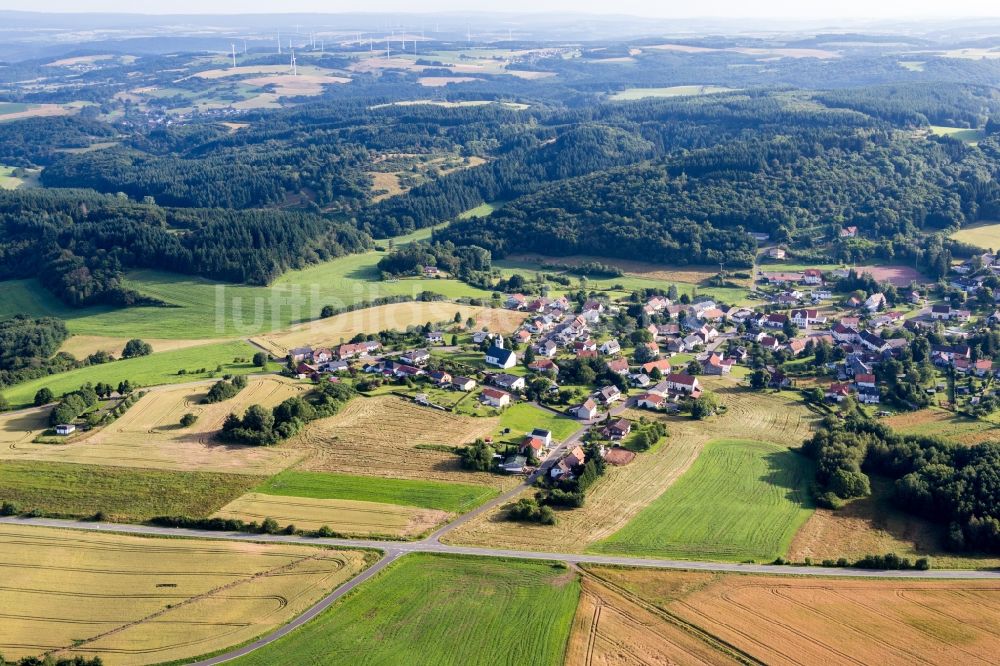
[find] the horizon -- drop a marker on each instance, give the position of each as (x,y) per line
(780,11)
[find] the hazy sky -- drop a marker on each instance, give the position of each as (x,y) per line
(788,9)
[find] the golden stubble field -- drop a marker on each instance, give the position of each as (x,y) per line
(341,328)
(139,600)
(82,346)
(364,519)
(149,433)
(790,620)
(378,437)
(624,491)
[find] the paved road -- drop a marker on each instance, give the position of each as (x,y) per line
(397,548)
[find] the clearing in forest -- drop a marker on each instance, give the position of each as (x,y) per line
(138,600)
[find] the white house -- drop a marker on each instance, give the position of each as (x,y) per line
(682,383)
(499,357)
(495,398)
(875,302)
(587,410)
(65,429)
(610,347)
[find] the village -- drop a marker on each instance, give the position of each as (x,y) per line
(842,339)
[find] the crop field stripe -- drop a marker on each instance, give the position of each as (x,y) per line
(453,497)
(449,610)
(740,500)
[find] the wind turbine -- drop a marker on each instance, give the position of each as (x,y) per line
(244,47)
(469,35)
(234,55)
(279,42)
(295,69)
(387,50)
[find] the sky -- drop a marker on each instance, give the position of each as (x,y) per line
(784,9)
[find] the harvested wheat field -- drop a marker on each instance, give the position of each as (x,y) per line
(149,434)
(138,600)
(82,346)
(787,620)
(624,491)
(936,422)
(395,316)
(611,629)
(348,517)
(379,437)
(19,428)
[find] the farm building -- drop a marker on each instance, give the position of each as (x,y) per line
(65,429)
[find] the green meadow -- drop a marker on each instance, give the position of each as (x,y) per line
(442,610)
(160,368)
(452,497)
(741,500)
(122,493)
(523,417)
(200,308)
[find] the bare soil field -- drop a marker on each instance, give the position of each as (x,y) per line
(899,276)
(378,437)
(335,330)
(873,525)
(135,600)
(149,434)
(788,620)
(610,629)
(348,517)
(82,346)
(624,491)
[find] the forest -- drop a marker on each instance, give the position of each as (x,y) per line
(674,180)
(79,242)
(950,484)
